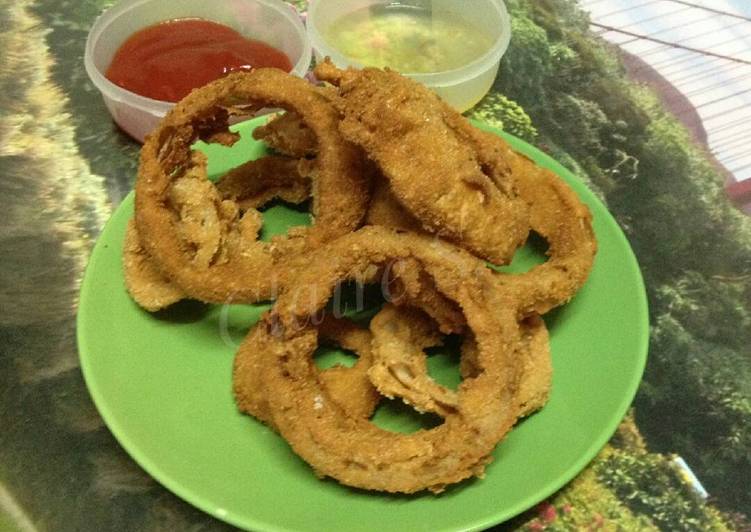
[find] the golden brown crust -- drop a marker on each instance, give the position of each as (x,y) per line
(349,387)
(559,216)
(384,209)
(425,150)
(146,284)
(399,368)
(537,365)
(434,177)
(250,185)
(352,449)
(220,261)
(254,183)
(288,134)
(432,170)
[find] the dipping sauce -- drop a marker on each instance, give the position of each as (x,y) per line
(407,39)
(166,61)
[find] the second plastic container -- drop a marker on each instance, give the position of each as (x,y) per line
(461,87)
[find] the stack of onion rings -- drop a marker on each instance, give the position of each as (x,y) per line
(433,176)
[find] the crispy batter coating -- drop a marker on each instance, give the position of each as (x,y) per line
(555,212)
(352,449)
(409,285)
(537,371)
(146,284)
(445,198)
(537,366)
(350,387)
(454,190)
(400,366)
(559,216)
(385,209)
(198,239)
(288,134)
(251,185)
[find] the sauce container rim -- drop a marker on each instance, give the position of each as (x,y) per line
(120,95)
(439,78)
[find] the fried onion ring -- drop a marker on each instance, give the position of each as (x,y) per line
(384,113)
(204,244)
(251,185)
(559,216)
(556,214)
(352,449)
(460,193)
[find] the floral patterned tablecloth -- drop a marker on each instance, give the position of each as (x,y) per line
(681,459)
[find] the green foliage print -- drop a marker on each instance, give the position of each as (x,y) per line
(652,486)
(693,245)
(499,111)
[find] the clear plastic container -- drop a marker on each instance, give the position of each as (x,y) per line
(461,87)
(272,21)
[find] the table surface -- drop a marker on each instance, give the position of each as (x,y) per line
(681,459)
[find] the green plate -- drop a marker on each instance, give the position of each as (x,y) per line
(162,383)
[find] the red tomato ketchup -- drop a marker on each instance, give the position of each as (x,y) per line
(166,61)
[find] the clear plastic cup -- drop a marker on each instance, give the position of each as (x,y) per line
(272,21)
(461,87)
